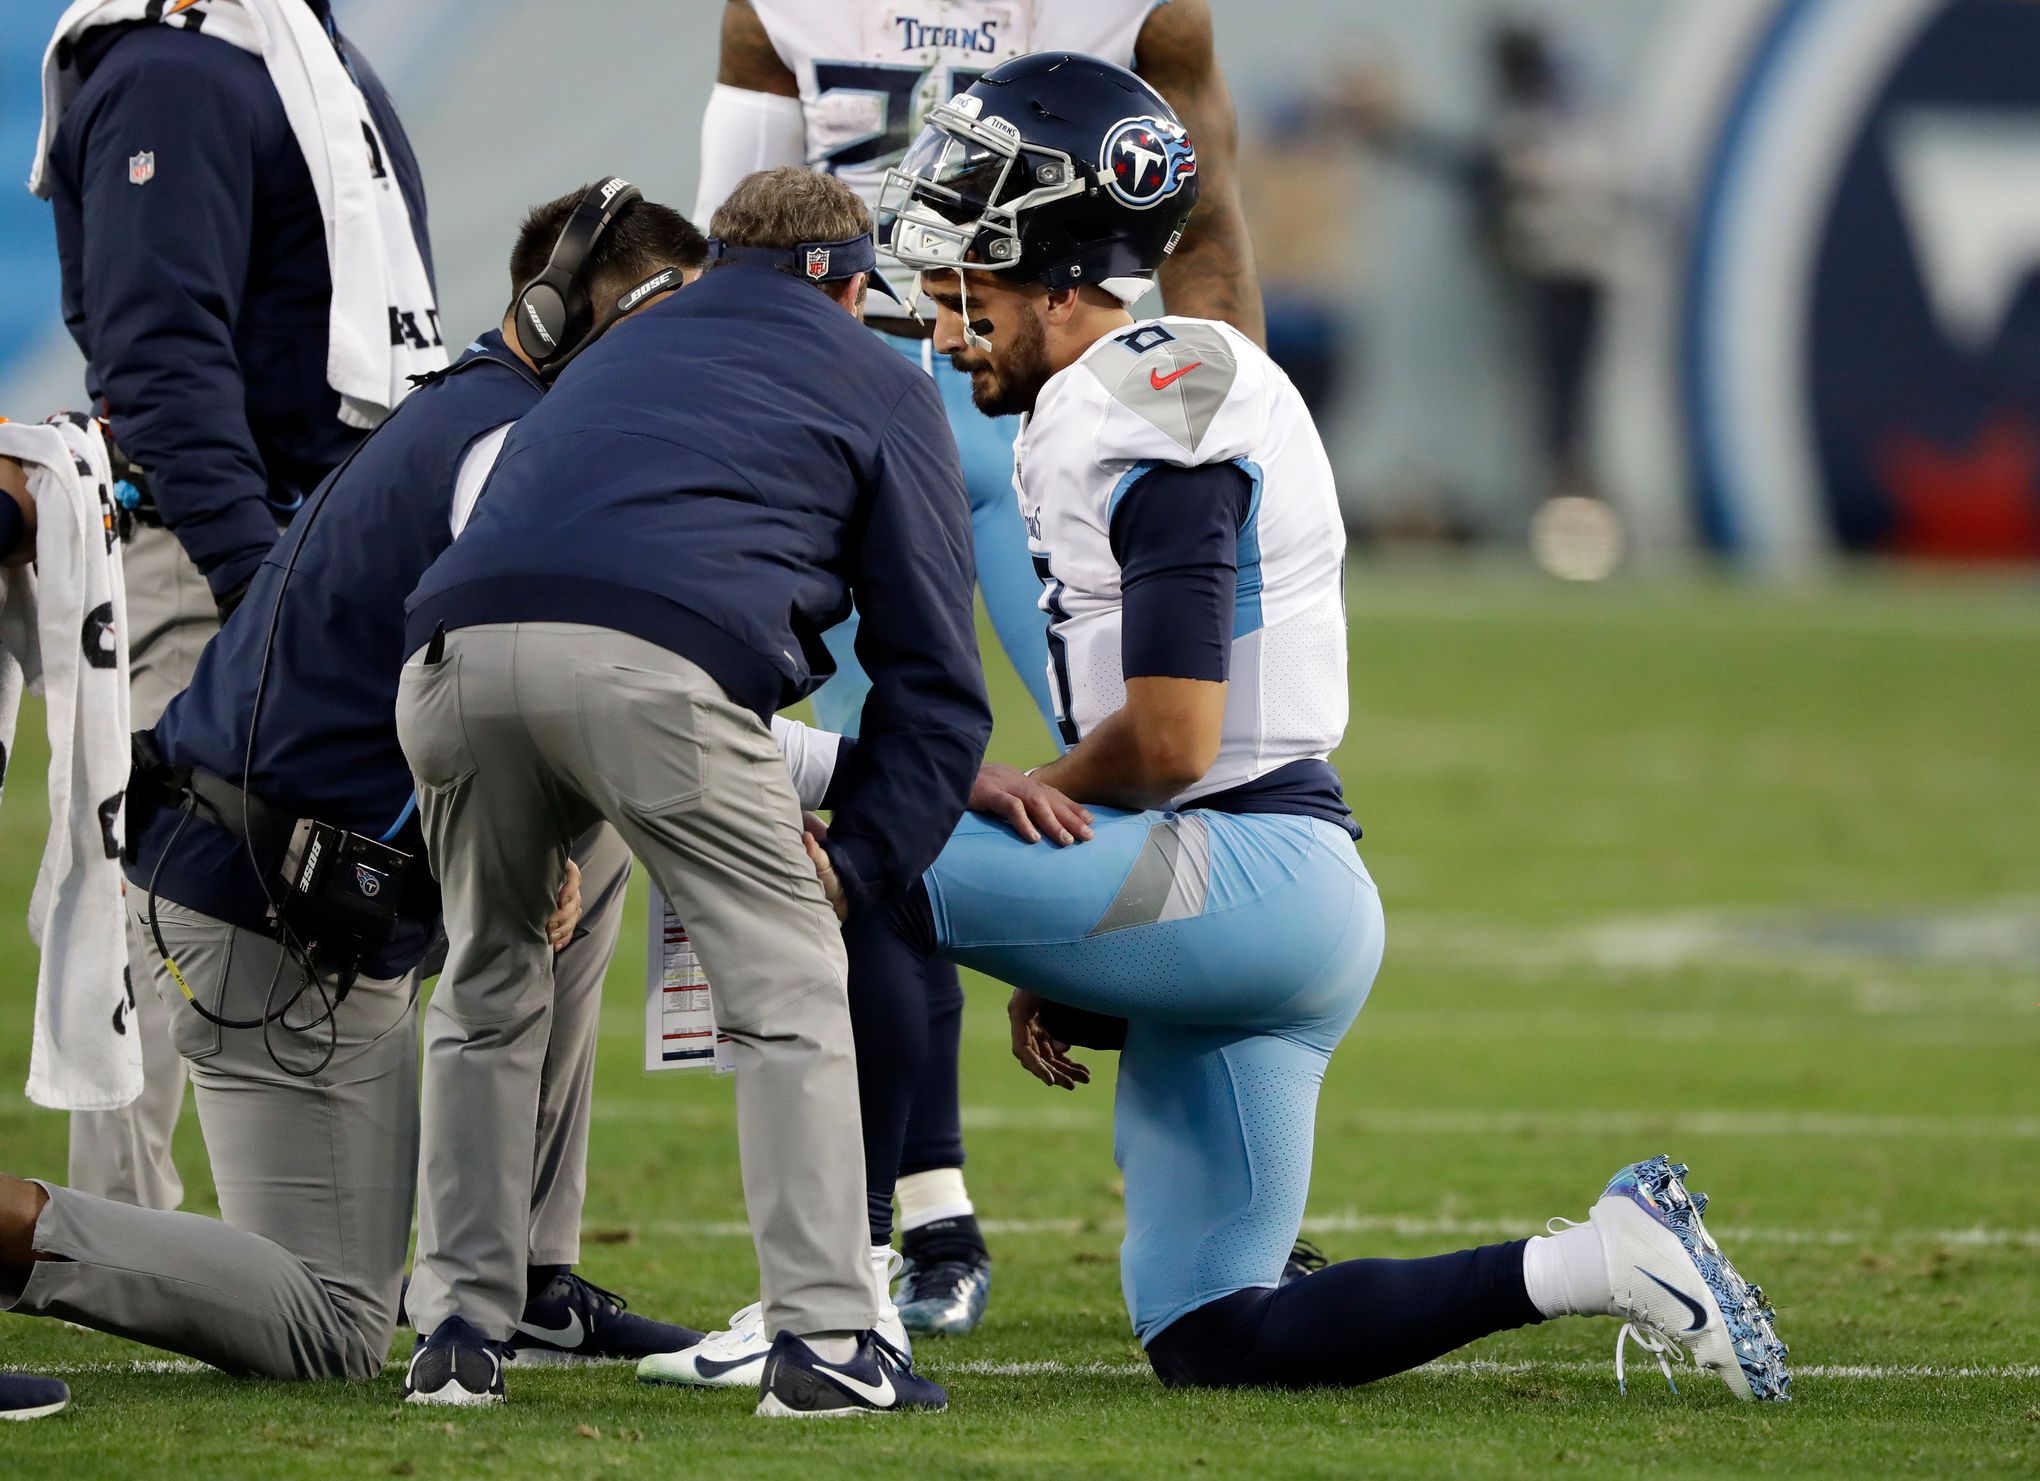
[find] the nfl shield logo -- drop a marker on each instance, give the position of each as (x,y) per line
(142,167)
(817,260)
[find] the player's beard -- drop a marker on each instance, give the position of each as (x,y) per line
(1005,380)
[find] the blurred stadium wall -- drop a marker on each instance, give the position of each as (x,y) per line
(1818,329)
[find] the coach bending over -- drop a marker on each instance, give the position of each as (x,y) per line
(646,579)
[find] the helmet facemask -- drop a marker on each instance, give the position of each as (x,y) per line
(956,199)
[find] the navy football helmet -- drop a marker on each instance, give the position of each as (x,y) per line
(1054,167)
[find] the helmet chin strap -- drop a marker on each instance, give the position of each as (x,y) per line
(976,332)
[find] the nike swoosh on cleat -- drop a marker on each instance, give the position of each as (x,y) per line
(1699,1311)
(717,1367)
(1162,382)
(571,1335)
(878,1394)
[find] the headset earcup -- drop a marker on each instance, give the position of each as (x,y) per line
(541,322)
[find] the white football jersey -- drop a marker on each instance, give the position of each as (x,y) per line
(869,70)
(1191,392)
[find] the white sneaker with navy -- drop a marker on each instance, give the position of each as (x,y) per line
(875,1379)
(1645,1255)
(734,1357)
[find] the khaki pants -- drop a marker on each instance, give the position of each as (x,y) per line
(299,1277)
(521,737)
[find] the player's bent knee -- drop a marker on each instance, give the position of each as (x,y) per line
(1214,1346)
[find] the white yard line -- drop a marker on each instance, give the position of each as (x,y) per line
(1845,1125)
(1052,1368)
(1453,1367)
(1412,1227)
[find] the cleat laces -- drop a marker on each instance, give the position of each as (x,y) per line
(1654,1340)
(1636,1328)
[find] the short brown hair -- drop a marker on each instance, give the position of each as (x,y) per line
(642,238)
(788,206)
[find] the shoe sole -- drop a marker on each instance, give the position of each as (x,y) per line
(1658,1186)
(771,1407)
(939,1327)
(41,1411)
(455,1397)
(749,1375)
(930,1319)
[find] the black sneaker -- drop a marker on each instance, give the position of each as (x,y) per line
(457,1365)
(946,1280)
(878,1379)
(574,1320)
(1304,1259)
(23,1397)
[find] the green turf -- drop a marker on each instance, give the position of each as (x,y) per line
(1748,876)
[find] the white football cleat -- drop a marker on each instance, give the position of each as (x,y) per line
(1675,1290)
(735,1357)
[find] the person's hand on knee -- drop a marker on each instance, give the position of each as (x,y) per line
(825,871)
(1032,809)
(559,926)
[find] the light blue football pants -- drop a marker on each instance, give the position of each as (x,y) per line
(1005,571)
(1239,948)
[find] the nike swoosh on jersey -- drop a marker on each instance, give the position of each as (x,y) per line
(880,1393)
(1162,382)
(568,1336)
(1699,1312)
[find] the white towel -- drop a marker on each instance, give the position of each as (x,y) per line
(381,291)
(63,631)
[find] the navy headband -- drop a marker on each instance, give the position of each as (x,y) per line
(824,262)
(819,262)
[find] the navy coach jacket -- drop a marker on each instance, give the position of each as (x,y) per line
(716,476)
(200,298)
(326,743)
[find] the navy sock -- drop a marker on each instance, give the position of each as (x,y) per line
(889,1022)
(538,1277)
(935,1122)
(1350,1323)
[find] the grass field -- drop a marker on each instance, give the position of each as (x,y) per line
(1747,876)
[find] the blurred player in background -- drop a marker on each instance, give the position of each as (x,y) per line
(843,86)
(1207,914)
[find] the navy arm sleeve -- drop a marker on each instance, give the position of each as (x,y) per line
(12,525)
(164,266)
(1176,535)
(926,721)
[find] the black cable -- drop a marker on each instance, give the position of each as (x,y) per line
(186,813)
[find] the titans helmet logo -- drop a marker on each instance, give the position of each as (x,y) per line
(1144,161)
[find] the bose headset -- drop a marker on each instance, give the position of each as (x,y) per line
(554,315)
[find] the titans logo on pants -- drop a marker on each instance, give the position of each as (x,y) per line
(1145,161)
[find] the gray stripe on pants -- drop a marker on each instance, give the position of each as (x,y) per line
(1169,880)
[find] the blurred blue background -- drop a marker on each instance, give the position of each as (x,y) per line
(1715,265)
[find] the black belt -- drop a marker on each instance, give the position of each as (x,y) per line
(156,784)
(270,832)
